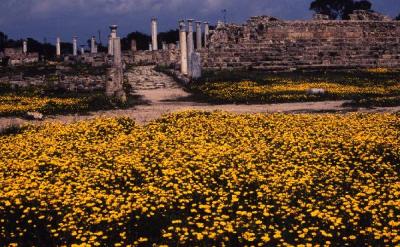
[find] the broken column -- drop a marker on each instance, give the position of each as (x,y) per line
(154,40)
(117,52)
(58,47)
(114,85)
(195,61)
(198,35)
(82,50)
(190,44)
(183,47)
(74,46)
(206,33)
(113,35)
(164,46)
(150,47)
(93,45)
(133,45)
(25,46)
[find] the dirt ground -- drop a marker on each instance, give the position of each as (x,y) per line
(162,95)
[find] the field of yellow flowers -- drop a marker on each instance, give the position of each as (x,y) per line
(198,178)
(14,105)
(374,87)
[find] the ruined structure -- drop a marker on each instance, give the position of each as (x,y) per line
(367,40)
(19,56)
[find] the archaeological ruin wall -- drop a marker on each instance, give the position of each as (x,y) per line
(271,44)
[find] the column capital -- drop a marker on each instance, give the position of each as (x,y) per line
(182,26)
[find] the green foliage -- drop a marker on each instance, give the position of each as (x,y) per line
(339,8)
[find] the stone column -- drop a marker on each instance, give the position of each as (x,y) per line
(198,35)
(113,34)
(114,83)
(154,40)
(164,46)
(206,33)
(183,47)
(110,45)
(58,47)
(150,47)
(133,45)
(93,45)
(25,46)
(117,52)
(82,50)
(190,45)
(74,46)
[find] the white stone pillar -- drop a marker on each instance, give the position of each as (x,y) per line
(154,39)
(82,50)
(25,46)
(110,45)
(58,47)
(150,47)
(190,45)
(164,46)
(117,52)
(206,33)
(183,47)
(198,35)
(93,45)
(113,35)
(74,46)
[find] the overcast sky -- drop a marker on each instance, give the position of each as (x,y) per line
(66,18)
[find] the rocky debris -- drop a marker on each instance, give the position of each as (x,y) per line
(365,15)
(320,17)
(34,116)
(146,78)
(316,91)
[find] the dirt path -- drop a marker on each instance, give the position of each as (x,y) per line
(163,95)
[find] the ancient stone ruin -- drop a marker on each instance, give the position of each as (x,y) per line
(367,40)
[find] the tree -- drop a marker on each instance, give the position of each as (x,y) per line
(398,17)
(142,41)
(339,8)
(3,40)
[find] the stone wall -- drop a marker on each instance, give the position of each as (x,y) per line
(78,83)
(169,57)
(16,56)
(271,44)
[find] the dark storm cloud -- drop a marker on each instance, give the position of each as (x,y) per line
(65,18)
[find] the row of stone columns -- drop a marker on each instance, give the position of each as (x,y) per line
(189,59)
(93,45)
(200,42)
